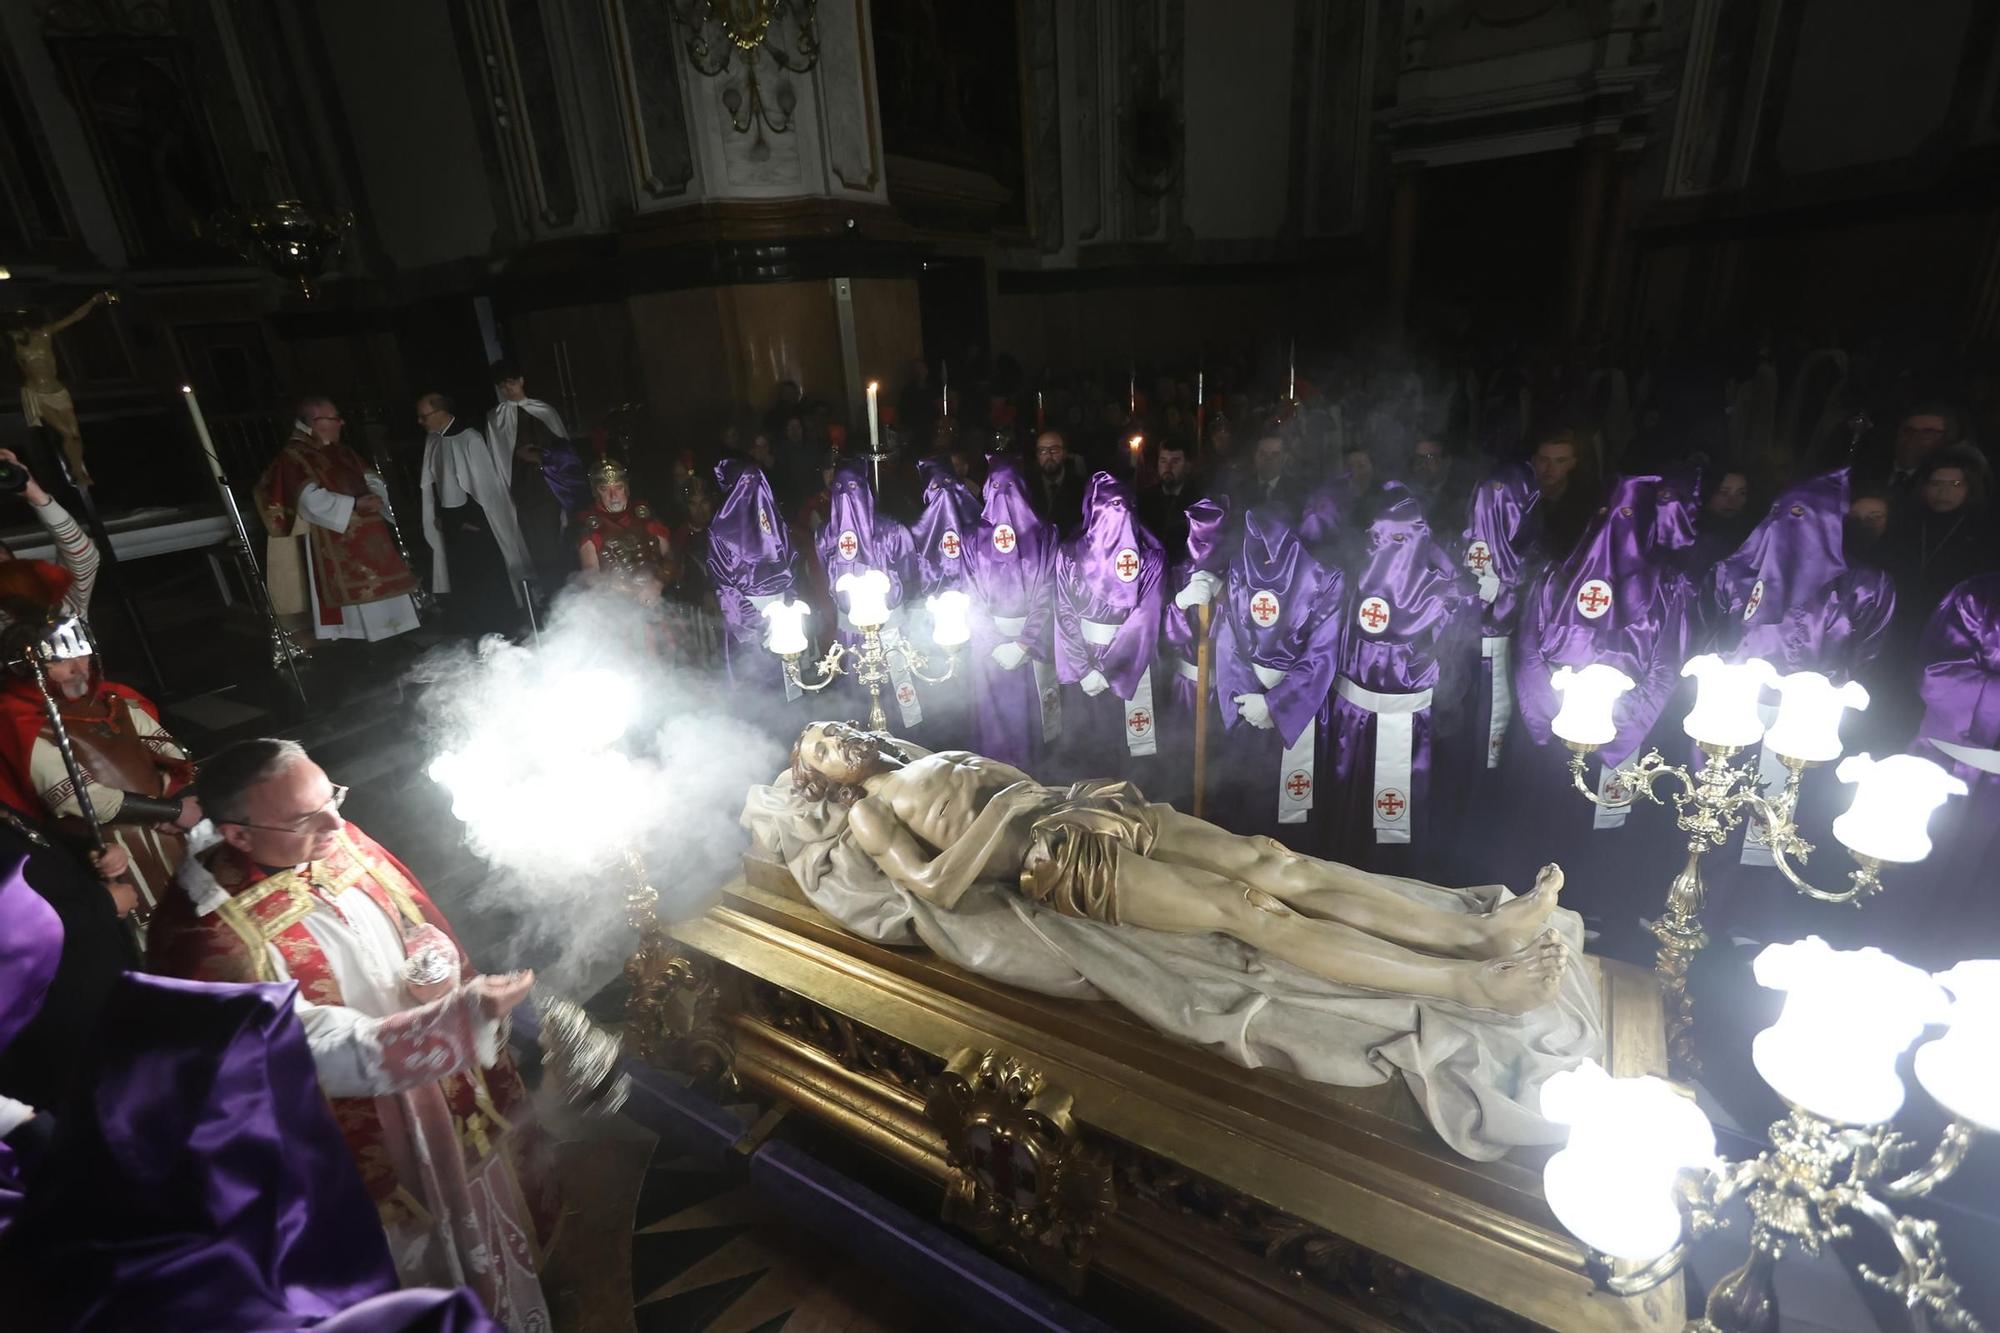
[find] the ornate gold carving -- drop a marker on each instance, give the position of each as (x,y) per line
(1022,1181)
(673,1013)
(855,1046)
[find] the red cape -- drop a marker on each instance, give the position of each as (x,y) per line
(22,717)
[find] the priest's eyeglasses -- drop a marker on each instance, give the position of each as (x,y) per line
(303,822)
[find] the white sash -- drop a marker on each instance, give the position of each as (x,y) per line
(1609,816)
(1100,633)
(1500,653)
(792,691)
(900,677)
(1295,766)
(1011,627)
(1395,748)
(1771,771)
(1986,761)
(1183,668)
(1142,723)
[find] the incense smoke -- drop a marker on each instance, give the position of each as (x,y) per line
(563,756)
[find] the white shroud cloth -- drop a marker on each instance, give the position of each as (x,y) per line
(357,1055)
(1477,1074)
(371,621)
(459,465)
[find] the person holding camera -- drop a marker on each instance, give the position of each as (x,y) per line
(74,549)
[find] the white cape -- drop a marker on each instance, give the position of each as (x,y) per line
(488,485)
(503,428)
(1477,1075)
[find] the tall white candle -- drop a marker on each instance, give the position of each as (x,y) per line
(1292,372)
(201,430)
(874,419)
(944,379)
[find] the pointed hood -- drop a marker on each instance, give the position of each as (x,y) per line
(1207,545)
(1403,565)
(949,523)
(1503,524)
(1113,550)
(748,543)
(1790,558)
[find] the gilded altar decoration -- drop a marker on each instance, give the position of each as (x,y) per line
(1022,1180)
(718,29)
(672,1014)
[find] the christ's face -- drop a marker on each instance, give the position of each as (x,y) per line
(838,751)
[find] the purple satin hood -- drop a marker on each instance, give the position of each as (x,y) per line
(1404,566)
(31,941)
(1207,547)
(1503,515)
(1109,527)
(949,523)
(1960,684)
(1282,612)
(749,549)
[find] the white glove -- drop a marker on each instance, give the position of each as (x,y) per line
(1094,684)
(1489,587)
(1252,709)
(1200,591)
(1010,655)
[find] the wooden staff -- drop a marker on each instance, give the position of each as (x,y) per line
(1204,659)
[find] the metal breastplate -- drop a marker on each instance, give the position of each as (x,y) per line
(111,749)
(627,549)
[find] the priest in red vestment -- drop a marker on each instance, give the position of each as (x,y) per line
(350,579)
(408,1039)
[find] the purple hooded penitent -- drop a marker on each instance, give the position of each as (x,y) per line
(1789,596)
(1010,570)
(1620,600)
(1278,632)
(1407,652)
(749,562)
(856,539)
(945,529)
(1110,579)
(1502,552)
(1180,627)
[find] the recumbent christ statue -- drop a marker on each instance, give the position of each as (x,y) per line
(937,823)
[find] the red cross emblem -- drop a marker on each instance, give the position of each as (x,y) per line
(1003,538)
(1373,614)
(1478,556)
(1127,565)
(1298,784)
(1594,599)
(764,520)
(1140,721)
(1756,599)
(1616,792)
(1390,803)
(1263,609)
(847,545)
(905,693)
(949,544)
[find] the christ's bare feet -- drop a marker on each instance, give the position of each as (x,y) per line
(1514,924)
(1524,980)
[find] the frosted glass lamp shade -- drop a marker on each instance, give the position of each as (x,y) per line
(867,598)
(949,618)
(1893,801)
(1629,1138)
(1849,1015)
(1809,714)
(1588,696)
(1960,1070)
(788,627)
(1725,701)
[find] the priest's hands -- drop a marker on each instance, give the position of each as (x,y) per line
(1010,655)
(1200,591)
(1253,709)
(498,995)
(1094,684)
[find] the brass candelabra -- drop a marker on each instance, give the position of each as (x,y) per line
(869,664)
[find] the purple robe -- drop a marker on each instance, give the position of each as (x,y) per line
(31,939)
(1010,569)
(1789,596)
(1619,600)
(1407,652)
(1502,549)
(1278,634)
(1205,552)
(943,530)
(1110,582)
(750,564)
(856,539)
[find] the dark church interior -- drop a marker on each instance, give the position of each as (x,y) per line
(753,665)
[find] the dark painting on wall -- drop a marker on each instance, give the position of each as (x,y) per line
(950,86)
(155,150)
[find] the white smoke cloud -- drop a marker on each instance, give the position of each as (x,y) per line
(563,755)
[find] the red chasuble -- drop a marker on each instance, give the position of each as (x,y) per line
(228,944)
(350,568)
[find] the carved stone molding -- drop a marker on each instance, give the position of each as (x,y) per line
(658,156)
(524,105)
(1022,1180)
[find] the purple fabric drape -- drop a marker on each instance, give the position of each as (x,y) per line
(562,472)
(1180,629)
(1411,623)
(1619,599)
(942,532)
(1788,594)
(1113,572)
(1503,539)
(1010,569)
(749,558)
(856,539)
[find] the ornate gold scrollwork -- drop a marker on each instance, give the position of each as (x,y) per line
(673,1011)
(1022,1181)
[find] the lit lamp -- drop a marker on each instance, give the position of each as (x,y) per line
(868,611)
(1887,823)
(1893,802)
(1724,716)
(1588,697)
(1832,1055)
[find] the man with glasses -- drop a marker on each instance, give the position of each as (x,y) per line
(334,560)
(407,1037)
